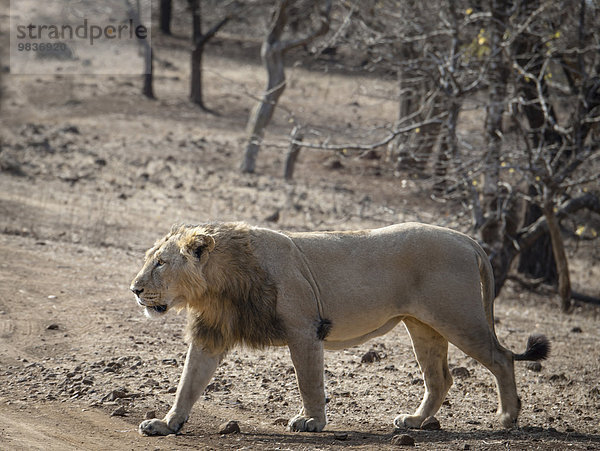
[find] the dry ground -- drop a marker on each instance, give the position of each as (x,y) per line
(92,174)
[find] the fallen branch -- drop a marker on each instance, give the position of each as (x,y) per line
(534,285)
(372,146)
(585,298)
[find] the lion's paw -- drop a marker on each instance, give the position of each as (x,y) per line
(306,424)
(156,427)
(408,422)
(509,421)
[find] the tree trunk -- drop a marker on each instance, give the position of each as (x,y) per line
(448,150)
(558,248)
(147,89)
(292,156)
(196,56)
(493,230)
(411,88)
(537,261)
(165,16)
(198,42)
(271,53)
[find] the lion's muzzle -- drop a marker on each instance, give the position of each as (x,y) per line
(157,308)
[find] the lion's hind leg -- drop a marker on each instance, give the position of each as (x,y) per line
(431,351)
(501,364)
(480,342)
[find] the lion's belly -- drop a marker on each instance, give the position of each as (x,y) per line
(358,330)
(345,342)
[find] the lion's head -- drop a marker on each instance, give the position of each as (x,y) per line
(172,272)
(212,271)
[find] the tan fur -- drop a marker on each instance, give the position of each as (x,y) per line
(311,291)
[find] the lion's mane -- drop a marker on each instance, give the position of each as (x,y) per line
(238,303)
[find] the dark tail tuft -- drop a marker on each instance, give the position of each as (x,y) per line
(538,348)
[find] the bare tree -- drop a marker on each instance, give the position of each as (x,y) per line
(145,48)
(273,49)
(199,40)
(166,7)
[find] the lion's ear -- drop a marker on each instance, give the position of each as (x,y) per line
(196,244)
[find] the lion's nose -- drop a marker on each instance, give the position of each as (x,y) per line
(137,291)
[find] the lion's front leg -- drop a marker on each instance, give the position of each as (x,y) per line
(197,372)
(307,357)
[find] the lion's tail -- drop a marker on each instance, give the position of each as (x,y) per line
(538,346)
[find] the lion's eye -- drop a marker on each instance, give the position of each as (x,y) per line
(159,263)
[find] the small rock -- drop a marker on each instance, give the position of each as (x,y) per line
(403,440)
(53,327)
(119,412)
(150,415)
(576,330)
(431,424)
(340,436)
(231,427)
(274,217)
(534,366)
(71,129)
(466,446)
(460,372)
(116,394)
(370,357)
(280,422)
(558,377)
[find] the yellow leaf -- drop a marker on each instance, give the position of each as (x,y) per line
(557,35)
(474,182)
(417,130)
(481,40)
(537,178)
(503,164)
(594,233)
(511,170)
(469,11)
(580,230)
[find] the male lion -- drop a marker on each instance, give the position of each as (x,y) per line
(314,291)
